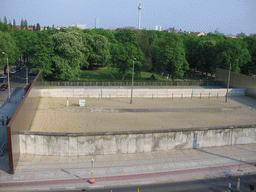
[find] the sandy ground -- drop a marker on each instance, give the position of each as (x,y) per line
(117,114)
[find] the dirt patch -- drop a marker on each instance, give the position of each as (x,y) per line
(117,114)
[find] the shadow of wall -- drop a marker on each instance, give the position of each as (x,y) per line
(22,120)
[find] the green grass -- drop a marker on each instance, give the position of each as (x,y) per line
(112,74)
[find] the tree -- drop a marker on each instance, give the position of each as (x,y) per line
(10,24)
(37,27)
(241,35)
(21,24)
(71,52)
(250,67)
(232,51)
(100,53)
(125,51)
(206,56)
(14,24)
(8,46)
(41,49)
(26,24)
(169,55)
(5,20)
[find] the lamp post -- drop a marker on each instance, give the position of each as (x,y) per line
(8,75)
(226,100)
(132,79)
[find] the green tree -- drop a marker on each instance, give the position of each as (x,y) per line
(146,41)
(14,24)
(8,46)
(41,49)
(241,35)
(71,52)
(100,53)
(232,51)
(250,67)
(169,55)
(125,51)
(37,27)
(26,24)
(21,24)
(5,20)
(10,24)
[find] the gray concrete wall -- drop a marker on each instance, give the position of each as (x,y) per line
(133,142)
(251,92)
(138,92)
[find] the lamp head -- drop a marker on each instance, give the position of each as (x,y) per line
(3,52)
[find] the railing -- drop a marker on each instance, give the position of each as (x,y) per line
(128,83)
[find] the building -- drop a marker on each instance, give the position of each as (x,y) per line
(81,26)
(197,33)
(158,28)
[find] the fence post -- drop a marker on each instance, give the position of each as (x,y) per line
(217,95)
(200,95)
(152,95)
(172,95)
(209,95)
(181,95)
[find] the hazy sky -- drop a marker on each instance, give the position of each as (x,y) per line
(229,16)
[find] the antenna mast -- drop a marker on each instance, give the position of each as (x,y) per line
(140,7)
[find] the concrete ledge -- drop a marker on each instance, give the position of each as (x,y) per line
(137,92)
(104,143)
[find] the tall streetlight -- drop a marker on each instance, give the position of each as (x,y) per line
(132,79)
(226,100)
(8,71)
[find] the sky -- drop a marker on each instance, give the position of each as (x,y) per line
(228,16)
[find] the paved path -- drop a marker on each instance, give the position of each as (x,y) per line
(55,172)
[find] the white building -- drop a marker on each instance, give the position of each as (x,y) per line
(81,26)
(158,28)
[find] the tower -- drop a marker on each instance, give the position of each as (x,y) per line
(140,7)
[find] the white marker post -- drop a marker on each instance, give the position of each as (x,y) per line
(92,181)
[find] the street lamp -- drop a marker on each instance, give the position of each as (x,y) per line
(8,75)
(132,79)
(226,100)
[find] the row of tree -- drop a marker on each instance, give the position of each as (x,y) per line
(61,54)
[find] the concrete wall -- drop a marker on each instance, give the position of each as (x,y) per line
(138,92)
(133,142)
(21,121)
(237,80)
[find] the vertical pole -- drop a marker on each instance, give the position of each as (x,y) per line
(8,75)
(26,75)
(229,187)
(228,82)
(238,184)
(132,80)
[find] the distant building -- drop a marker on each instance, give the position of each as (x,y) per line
(197,33)
(158,28)
(231,36)
(29,28)
(81,26)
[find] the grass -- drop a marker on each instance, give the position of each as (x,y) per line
(112,74)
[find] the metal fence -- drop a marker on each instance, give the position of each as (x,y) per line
(129,83)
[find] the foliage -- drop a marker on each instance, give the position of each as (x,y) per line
(42,50)
(124,52)
(100,50)
(232,51)
(70,52)
(169,55)
(250,67)
(8,46)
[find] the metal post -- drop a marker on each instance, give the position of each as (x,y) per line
(8,76)
(132,79)
(27,75)
(228,82)
(92,181)
(238,184)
